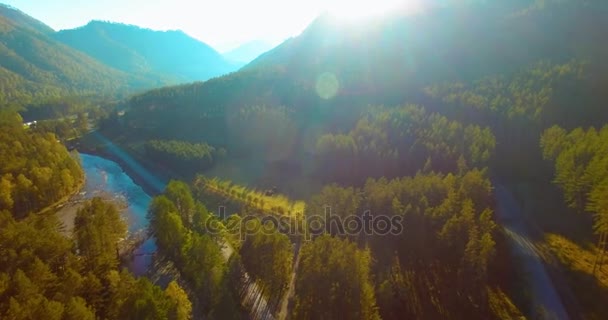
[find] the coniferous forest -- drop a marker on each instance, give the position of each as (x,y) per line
(447,164)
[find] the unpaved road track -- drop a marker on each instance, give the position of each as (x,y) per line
(542,289)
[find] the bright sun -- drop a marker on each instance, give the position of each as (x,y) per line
(359,9)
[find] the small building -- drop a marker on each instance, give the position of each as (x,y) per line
(30,124)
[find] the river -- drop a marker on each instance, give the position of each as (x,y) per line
(107,178)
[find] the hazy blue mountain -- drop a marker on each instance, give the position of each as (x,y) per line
(171,56)
(245,53)
(34,65)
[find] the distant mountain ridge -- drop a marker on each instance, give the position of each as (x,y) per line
(246,52)
(166,56)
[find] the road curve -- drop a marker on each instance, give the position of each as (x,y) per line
(543,291)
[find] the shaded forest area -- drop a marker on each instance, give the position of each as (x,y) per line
(188,158)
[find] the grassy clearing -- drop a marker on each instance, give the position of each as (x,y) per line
(577,258)
(591,290)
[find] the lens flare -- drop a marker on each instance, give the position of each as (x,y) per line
(327,85)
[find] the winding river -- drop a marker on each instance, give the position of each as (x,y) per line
(106,178)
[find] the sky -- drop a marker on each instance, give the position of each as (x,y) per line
(223,24)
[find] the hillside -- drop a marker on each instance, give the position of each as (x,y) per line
(500,69)
(406,52)
(24,20)
(383,62)
(165,56)
(33,65)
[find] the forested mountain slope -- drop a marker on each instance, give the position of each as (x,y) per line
(24,20)
(462,42)
(33,65)
(104,59)
(334,67)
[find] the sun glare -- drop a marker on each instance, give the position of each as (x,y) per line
(361,9)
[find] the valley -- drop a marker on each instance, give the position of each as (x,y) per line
(445,163)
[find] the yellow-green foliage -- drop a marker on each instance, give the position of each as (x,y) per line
(42,276)
(577,258)
(590,289)
(581,168)
(502,307)
(276,204)
(35,170)
(526,93)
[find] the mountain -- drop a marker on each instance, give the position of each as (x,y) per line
(334,66)
(165,56)
(245,53)
(35,66)
(101,58)
(396,57)
(24,20)
(386,56)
